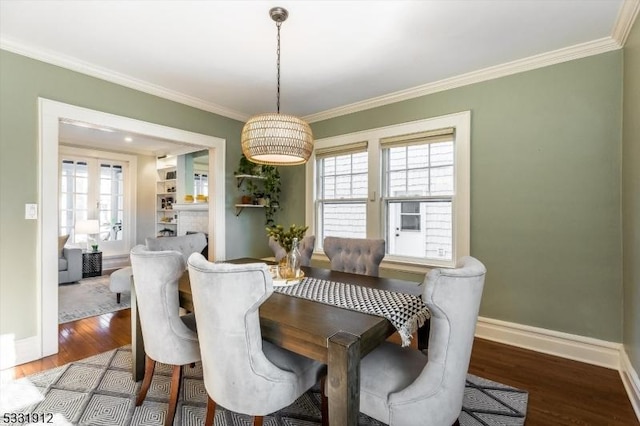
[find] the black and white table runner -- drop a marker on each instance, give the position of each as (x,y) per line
(405,311)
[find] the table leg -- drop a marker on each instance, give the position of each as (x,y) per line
(423,335)
(137,344)
(344,379)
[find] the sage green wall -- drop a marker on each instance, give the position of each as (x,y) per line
(545,189)
(631,196)
(22,81)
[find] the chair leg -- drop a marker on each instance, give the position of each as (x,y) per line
(257,420)
(173,397)
(118,297)
(149,366)
(211,412)
(324,403)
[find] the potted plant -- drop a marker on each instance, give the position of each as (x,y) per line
(285,237)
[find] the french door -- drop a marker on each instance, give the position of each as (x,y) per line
(95,188)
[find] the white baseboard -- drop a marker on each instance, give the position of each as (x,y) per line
(16,352)
(565,345)
(578,348)
(115,262)
(630,381)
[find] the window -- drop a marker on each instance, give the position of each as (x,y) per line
(418,194)
(407,184)
(409,216)
(94,188)
(200,184)
(342,194)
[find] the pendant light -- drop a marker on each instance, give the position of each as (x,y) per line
(273,138)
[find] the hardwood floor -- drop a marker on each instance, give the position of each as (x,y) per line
(561,392)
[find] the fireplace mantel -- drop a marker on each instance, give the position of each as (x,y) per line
(191,206)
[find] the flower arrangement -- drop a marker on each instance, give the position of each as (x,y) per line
(285,237)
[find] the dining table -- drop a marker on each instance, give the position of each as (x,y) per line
(332,335)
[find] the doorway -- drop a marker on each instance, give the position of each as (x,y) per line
(50,115)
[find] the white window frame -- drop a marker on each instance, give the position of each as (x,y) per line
(130,163)
(461,122)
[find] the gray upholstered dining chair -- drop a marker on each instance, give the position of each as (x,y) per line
(242,372)
(402,386)
(306,249)
(168,337)
(120,280)
(356,255)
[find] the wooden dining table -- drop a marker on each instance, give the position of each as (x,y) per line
(334,336)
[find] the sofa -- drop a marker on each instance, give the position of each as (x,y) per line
(69,265)
(120,280)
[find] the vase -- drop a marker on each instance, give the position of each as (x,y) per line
(294,259)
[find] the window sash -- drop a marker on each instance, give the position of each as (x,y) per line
(456,126)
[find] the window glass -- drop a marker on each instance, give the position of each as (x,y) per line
(342,181)
(422,172)
(90,189)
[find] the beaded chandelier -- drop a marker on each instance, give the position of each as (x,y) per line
(273,138)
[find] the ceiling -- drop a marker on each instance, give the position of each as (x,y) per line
(220,56)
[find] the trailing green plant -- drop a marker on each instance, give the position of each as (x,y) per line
(272,190)
(285,237)
(267,188)
(245,167)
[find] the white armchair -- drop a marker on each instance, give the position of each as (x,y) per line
(402,386)
(242,372)
(120,280)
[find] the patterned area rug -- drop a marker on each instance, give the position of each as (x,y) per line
(88,298)
(100,391)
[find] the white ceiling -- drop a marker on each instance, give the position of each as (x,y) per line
(220,55)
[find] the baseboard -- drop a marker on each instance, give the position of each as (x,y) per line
(115,262)
(578,348)
(630,381)
(16,352)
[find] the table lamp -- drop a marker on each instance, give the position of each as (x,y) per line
(88,227)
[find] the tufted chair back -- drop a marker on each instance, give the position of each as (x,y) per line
(166,337)
(185,244)
(306,249)
(355,255)
(402,386)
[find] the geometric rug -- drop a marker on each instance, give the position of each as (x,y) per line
(88,298)
(100,391)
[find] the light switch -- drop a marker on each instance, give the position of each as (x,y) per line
(31,211)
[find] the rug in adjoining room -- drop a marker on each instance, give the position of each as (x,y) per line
(100,391)
(88,298)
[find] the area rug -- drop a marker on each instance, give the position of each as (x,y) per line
(88,298)
(100,391)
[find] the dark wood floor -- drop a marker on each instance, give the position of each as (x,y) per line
(561,392)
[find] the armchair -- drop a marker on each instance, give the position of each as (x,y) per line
(120,280)
(402,386)
(242,372)
(70,265)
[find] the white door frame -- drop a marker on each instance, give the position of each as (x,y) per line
(50,113)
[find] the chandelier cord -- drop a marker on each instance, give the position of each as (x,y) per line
(278,24)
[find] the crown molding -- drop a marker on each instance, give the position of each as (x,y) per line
(624,22)
(74,64)
(626,17)
(578,51)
